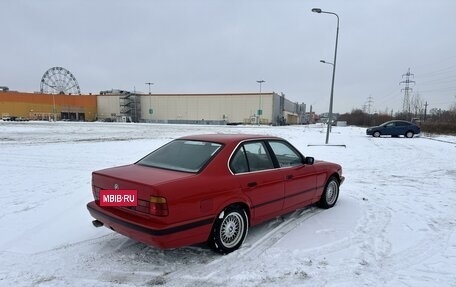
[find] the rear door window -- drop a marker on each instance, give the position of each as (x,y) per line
(251,156)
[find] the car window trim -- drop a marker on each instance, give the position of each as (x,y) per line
(269,149)
(290,146)
(235,149)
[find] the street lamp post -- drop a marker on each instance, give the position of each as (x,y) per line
(318,10)
(150,100)
(329,125)
(53,107)
(260,110)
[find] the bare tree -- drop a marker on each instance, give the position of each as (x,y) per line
(416,104)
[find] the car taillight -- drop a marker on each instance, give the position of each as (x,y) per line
(96,192)
(158,206)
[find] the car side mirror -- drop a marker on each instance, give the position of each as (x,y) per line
(309,160)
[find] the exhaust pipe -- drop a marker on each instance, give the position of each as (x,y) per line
(97,223)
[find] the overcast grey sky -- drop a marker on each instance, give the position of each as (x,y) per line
(212,46)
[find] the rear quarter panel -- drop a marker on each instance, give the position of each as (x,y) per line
(199,197)
(205,194)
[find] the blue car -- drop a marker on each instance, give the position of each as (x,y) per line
(394,129)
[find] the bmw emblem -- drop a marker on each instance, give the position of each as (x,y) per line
(116,186)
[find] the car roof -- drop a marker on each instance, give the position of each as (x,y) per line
(228,138)
(397,121)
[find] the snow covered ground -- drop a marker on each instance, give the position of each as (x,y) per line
(394,223)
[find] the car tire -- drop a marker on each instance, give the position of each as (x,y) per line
(330,193)
(409,134)
(229,230)
(376,134)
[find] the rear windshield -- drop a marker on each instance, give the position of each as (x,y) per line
(182,155)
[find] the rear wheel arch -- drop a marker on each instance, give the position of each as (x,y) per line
(235,203)
(238,200)
(242,205)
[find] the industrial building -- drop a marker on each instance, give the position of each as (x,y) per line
(60,98)
(226,108)
(125,106)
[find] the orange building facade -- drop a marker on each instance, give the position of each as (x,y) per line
(36,106)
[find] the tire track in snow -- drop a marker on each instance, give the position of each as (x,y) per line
(374,251)
(248,252)
(199,272)
(251,253)
(438,140)
(105,261)
(368,241)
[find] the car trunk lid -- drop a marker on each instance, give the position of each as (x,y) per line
(143,179)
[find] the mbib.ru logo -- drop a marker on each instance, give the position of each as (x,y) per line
(118,197)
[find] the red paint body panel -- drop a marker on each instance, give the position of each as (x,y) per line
(194,200)
(150,232)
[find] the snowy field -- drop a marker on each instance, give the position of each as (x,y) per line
(394,223)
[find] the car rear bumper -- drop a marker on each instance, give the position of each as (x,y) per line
(143,230)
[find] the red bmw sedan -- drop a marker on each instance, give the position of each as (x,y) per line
(212,188)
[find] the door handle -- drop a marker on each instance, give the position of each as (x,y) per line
(288,177)
(252,184)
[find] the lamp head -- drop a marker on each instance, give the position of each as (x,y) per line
(316,10)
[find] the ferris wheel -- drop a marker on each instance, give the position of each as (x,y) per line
(58,80)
